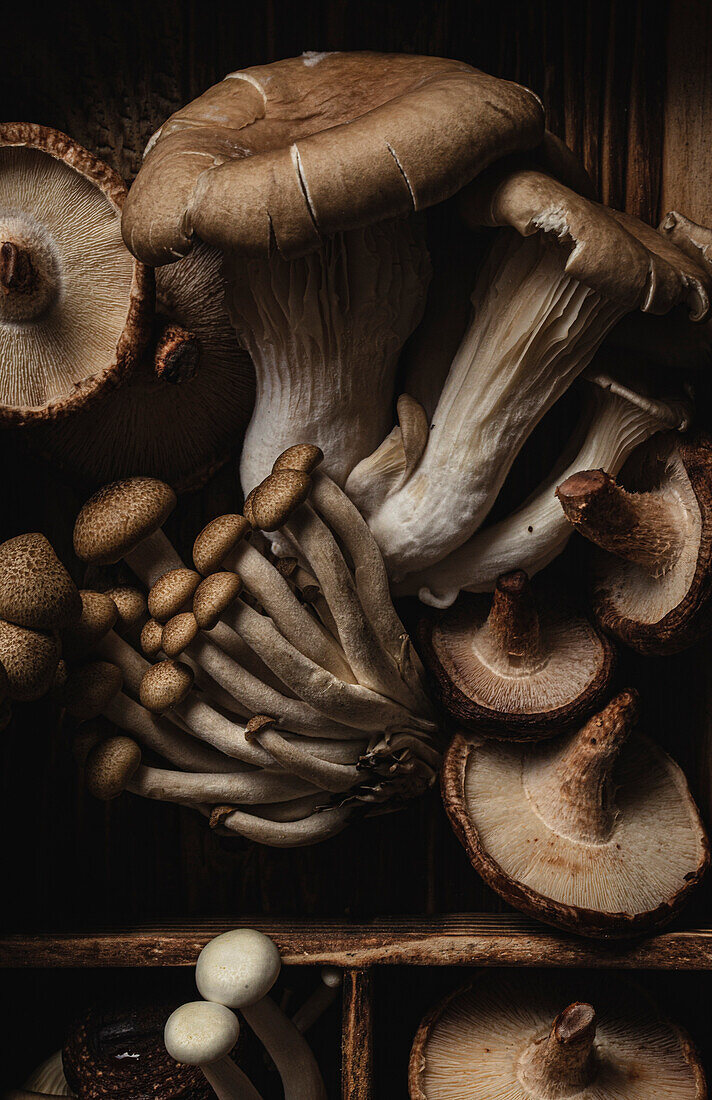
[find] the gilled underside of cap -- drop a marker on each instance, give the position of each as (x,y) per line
(471,1046)
(74,323)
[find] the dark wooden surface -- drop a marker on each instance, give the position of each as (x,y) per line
(629,86)
(357,1036)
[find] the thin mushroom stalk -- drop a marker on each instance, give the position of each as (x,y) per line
(542,305)
(615,422)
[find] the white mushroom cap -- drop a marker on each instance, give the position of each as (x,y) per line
(201,1032)
(238,968)
(477,1044)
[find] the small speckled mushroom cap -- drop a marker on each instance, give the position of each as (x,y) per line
(98,617)
(30,659)
(36,590)
(250,164)
(302,456)
(90,689)
(216,540)
(277,497)
(213,596)
(238,968)
(516,667)
(178,633)
(165,685)
(200,1033)
(171,593)
(130,607)
(74,305)
(152,638)
(652,562)
(110,765)
(510,1037)
(120,516)
(596,832)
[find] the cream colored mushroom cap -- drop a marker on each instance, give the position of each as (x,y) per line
(199,1033)
(470,1046)
(120,516)
(656,851)
(286,154)
(36,590)
(237,968)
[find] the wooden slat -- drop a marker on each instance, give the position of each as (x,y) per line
(466,940)
(357,1036)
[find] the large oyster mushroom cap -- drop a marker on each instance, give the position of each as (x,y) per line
(513,1038)
(596,832)
(75,306)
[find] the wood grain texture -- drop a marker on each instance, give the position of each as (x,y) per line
(357,1036)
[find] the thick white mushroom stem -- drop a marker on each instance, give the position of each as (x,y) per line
(17,272)
(535,328)
(177,353)
(324,333)
(297,1066)
(228,1082)
(615,422)
(284,832)
(645,528)
(573,789)
(306,760)
(153,557)
(241,788)
(564,1063)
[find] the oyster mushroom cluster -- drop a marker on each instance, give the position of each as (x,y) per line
(282,699)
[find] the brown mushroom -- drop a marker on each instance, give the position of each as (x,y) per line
(74,305)
(110,766)
(511,1038)
(30,660)
(36,590)
(652,576)
(515,667)
(596,832)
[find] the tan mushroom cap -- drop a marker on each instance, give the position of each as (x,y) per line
(178,633)
(110,765)
(120,516)
(596,832)
(214,595)
(98,617)
(277,497)
(516,692)
(30,659)
(302,456)
(90,689)
(286,154)
(75,307)
(216,540)
(165,685)
(36,590)
(171,593)
(478,1043)
(131,607)
(152,638)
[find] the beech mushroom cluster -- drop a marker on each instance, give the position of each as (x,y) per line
(518,1038)
(284,700)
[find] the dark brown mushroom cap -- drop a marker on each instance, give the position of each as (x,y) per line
(120,516)
(302,456)
(152,638)
(96,1066)
(665,613)
(36,590)
(90,689)
(178,633)
(483,690)
(171,593)
(472,1044)
(131,607)
(214,595)
(61,205)
(110,765)
(286,154)
(216,540)
(615,254)
(30,660)
(165,685)
(277,497)
(632,879)
(98,617)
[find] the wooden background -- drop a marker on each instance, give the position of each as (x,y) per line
(629,86)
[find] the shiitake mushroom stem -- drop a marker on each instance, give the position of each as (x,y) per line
(641,527)
(577,794)
(563,1064)
(513,620)
(177,353)
(17,272)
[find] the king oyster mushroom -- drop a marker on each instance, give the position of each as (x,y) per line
(615,420)
(596,832)
(518,667)
(555,283)
(184,409)
(516,1037)
(75,307)
(652,576)
(305,174)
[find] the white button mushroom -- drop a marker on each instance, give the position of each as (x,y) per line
(203,1034)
